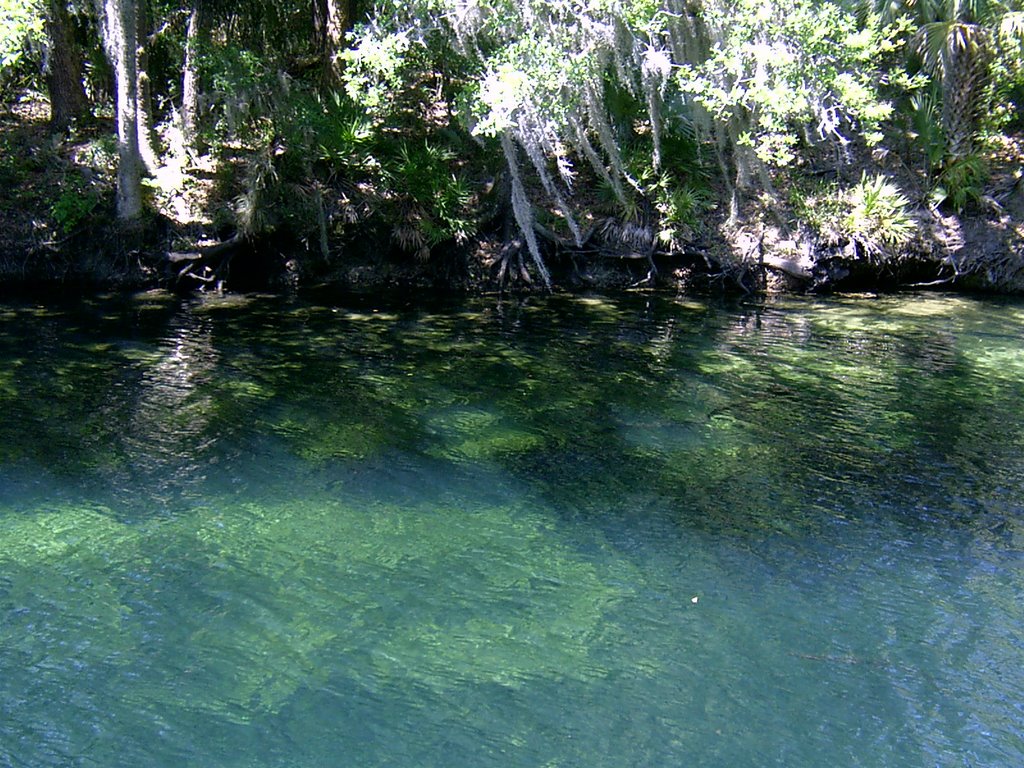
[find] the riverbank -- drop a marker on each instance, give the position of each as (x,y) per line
(821,229)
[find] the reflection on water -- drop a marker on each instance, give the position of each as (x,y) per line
(167,440)
(551,533)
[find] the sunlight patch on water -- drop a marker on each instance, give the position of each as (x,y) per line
(1002,361)
(377,317)
(51,535)
(284,596)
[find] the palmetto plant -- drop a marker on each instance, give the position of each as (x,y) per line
(927,130)
(956,50)
(955,41)
(878,218)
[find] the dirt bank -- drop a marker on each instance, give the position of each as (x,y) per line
(57,227)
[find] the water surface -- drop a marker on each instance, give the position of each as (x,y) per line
(560,532)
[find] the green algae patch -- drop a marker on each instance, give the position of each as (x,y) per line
(211,302)
(332,440)
(443,595)
(66,570)
(247,388)
(930,307)
(62,533)
(1002,360)
(478,435)
(357,428)
(8,389)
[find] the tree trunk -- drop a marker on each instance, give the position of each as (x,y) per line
(190,82)
(963,84)
(63,69)
(120,40)
(319,8)
(144,111)
(331,20)
(339,21)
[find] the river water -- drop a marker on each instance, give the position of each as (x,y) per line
(633,531)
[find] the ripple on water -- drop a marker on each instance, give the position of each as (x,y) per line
(596,532)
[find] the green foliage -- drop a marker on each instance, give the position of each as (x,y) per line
(306,139)
(819,206)
(310,129)
(21,24)
(76,204)
(788,64)
(558,85)
(254,206)
(878,219)
(343,133)
(433,201)
(100,153)
(926,133)
(675,197)
(874,215)
(681,209)
(961,183)
(375,66)
(635,96)
(1005,87)
(12,172)
(243,88)
(973,52)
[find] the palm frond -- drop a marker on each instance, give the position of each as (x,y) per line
(1011,30)
(941,43)
(931,45)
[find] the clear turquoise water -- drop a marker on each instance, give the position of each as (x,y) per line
(565,532)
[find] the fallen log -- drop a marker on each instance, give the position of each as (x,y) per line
(208,265)
(790,267)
